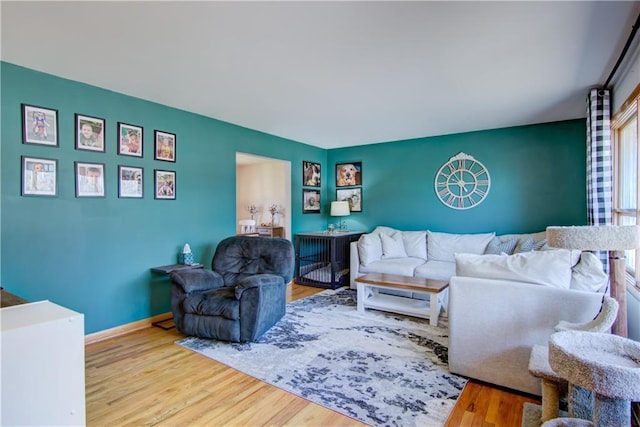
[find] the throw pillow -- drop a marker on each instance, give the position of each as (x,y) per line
(392,247)
(369,248)
(443,246)
(381,229)
(496,246)
(549,268)
(415,244)
(529,245)
(588,274)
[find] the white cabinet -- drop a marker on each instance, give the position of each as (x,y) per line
(42,376)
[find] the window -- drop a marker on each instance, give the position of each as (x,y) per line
(625,172)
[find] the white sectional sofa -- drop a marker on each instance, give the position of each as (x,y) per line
(506,293)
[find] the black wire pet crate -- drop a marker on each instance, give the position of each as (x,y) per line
(322,259)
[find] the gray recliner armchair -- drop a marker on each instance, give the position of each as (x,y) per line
(241,297)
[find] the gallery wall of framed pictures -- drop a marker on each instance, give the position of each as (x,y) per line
(349,184)
(39,175)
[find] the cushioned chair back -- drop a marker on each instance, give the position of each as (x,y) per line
(240,256)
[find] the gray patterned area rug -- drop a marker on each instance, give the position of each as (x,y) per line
(379,368)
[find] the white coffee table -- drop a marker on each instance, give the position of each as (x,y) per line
(369,296)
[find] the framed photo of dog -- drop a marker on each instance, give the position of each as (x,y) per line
(310,174)
(310,201)
(348,174)
(351,195)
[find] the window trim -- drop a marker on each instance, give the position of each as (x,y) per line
(628,111)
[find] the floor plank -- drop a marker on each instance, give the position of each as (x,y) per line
(143,379)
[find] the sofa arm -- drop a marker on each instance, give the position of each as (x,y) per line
(257,281)
(493,324)
(354,264)
(196,280)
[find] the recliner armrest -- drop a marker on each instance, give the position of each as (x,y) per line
(197,280)
(256,281)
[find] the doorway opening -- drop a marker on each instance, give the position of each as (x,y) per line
(264,183)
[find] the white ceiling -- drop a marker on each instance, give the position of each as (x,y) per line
(333,74)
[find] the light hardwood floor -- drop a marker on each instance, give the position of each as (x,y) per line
(142,378)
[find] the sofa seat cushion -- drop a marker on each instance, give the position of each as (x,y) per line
(550,268)
(401,266)
(219,302)
(443,246)
(436,270)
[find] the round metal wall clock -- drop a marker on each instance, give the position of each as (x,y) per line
(462,182)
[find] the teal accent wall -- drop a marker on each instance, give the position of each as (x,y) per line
(94,255)
(537,179)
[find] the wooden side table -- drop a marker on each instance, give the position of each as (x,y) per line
(268,231)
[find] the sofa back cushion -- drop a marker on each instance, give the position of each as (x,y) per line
(443,246)
(549,268)
(415,244)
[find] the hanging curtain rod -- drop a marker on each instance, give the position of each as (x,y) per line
(634,29)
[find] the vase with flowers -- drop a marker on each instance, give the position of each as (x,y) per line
(274,209)
(252,210)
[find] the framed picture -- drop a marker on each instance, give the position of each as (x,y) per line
(351,195)
(129,140)
(310,201)
(348,174)
(39,176)
(165,184)
(310,174)
(165,146)
(89,179)
(130,183)
(39,125)
(90,133)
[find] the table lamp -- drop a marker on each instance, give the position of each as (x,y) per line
(613,238)
(340,209)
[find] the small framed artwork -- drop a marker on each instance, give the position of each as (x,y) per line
(39,125)
(130,183)
(90,133)
(310,201)
(348,174)
(39,177)
(89,179)
(351,195)
(165,146)
(310,174)
(129,140)
(165,184)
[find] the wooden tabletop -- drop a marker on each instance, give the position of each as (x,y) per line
(403,282)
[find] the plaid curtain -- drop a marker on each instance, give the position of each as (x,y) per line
(599,162)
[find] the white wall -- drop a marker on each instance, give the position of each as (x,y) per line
(263,183)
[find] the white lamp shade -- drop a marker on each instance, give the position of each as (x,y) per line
(340,209)
(595,238)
